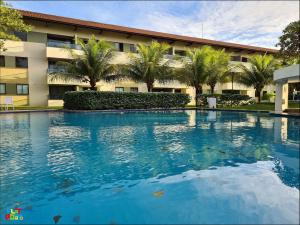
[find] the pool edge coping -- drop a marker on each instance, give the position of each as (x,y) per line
(151,110)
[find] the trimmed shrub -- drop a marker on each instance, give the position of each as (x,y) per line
(125,100)
(226,99)
(268,96)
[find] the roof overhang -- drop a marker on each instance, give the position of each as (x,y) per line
(288,74)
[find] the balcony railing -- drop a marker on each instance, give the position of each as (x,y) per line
(56,69)
(58,44)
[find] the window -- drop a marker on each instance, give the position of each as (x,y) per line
(2,61)
(244,59)
(119,46)
(236,58)
(21,35)
(232,92)
(170,51)
(180,52)
(55,67)
(134,89)
(119,89)
(2,89)
(132,48)
(59,41)
(21,62)
(22,89)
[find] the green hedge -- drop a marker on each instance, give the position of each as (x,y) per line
(114,100)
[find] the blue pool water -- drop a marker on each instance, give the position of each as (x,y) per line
(149,167)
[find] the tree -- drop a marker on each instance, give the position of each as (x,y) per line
(10,21)
(259,74)
(217,68)
(289,43)
(149,64)
(194,70)
(92,66)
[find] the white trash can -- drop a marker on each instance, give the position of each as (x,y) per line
(212,103)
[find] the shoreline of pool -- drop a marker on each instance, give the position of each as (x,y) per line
(272,113)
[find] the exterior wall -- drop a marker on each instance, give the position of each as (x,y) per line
(37,68)
(11,77)
(38,53)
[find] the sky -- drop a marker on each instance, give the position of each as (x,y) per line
(258,23)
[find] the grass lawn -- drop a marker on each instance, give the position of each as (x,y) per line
(258,106)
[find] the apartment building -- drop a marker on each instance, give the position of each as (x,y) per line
(25,65)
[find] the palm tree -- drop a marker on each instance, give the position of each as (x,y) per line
(194,70)
(91,66)
(149,64)
(217,68)
(259,74)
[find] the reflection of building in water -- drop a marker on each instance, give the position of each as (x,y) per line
(280,129)
(212,116)
(192,117)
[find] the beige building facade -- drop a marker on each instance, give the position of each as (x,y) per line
(25,65)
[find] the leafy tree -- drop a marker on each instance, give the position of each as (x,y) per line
(259,74)
(10,21)
(217,68)
(149,64)
(289,43)
(92,66)
(194,70)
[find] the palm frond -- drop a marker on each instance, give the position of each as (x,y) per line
(149,64)
(259,73)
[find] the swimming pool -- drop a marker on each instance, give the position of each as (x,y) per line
(149,167)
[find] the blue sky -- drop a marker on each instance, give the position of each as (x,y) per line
(254,22)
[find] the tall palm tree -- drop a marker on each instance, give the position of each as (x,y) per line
(259,74)
(194,70)
(217,68)
(91,66)
(149,64)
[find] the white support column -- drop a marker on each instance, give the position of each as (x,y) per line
(281,100)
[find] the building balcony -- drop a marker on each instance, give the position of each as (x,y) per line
(60,53)
(58,44)
(56,69)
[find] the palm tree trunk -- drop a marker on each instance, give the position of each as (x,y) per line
(212,89)
(93,85)
(149,87)
(257,94)
(198,90)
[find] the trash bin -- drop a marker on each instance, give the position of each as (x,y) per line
(212,103)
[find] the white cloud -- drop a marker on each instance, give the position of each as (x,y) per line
(256,23)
